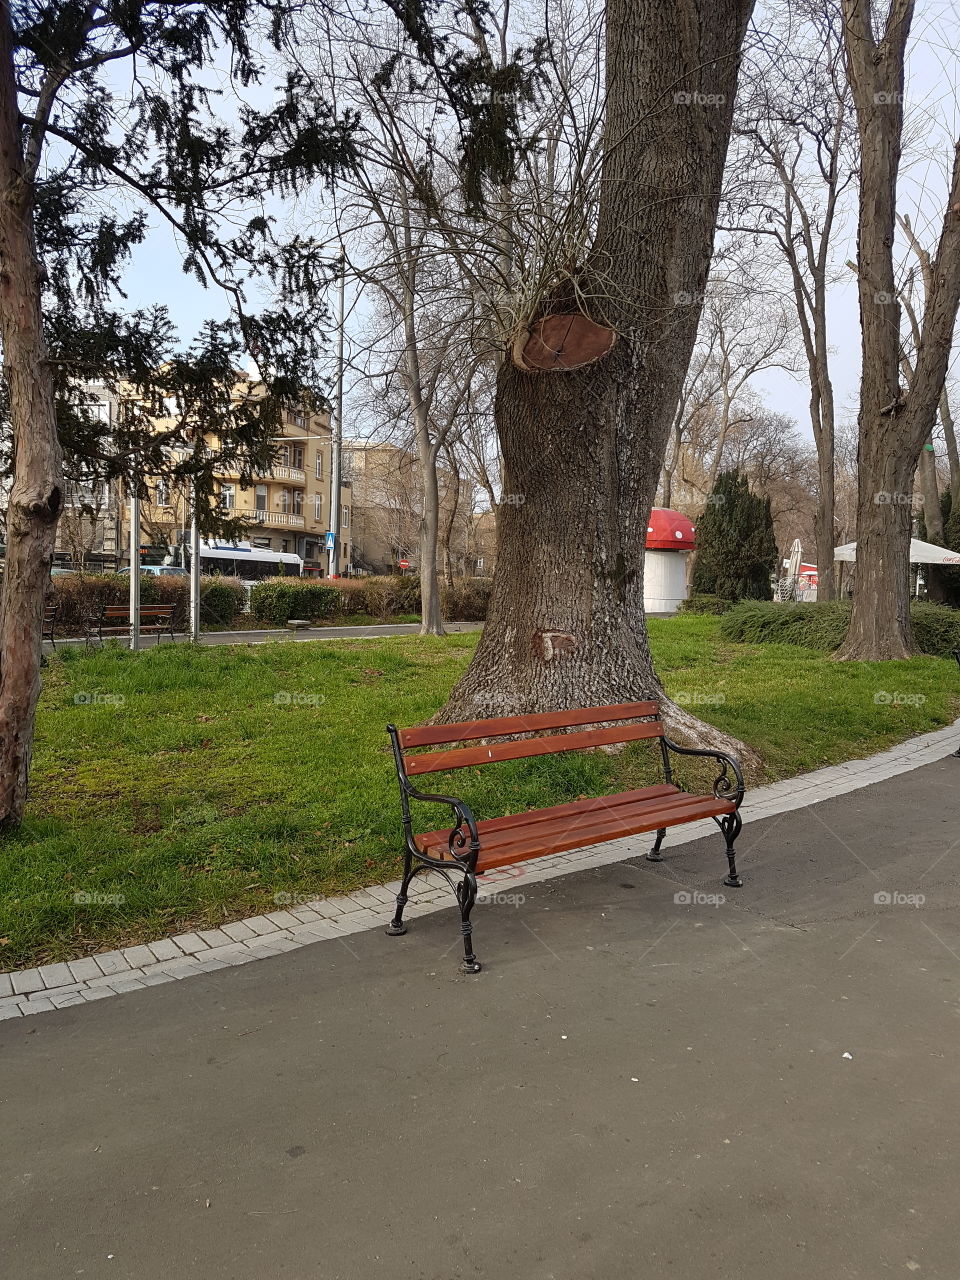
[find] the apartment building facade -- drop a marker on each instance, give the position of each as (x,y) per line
(287,507)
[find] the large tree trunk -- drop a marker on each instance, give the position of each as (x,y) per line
(566,623)
(36,496)
(893,423)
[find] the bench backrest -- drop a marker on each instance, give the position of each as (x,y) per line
(520,748)
(146,611)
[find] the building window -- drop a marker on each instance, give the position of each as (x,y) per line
(260,498)
(296,454)
(283,499)
(161,494)
(344,516)
(319,465)
(284,544)
(263,543)
(228,497)
(318,507)
(298,502)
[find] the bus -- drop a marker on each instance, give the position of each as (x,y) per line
(248,563)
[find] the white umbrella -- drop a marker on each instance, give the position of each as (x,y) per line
(920,553)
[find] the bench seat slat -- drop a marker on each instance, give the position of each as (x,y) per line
(505,845)
(432,734)
(464,757)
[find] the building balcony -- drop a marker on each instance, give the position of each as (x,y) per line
(294,475)
(285,519)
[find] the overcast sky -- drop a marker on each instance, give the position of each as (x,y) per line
(933,124)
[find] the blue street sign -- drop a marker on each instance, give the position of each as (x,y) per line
(329,544)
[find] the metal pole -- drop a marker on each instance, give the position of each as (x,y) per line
(194,572)
(134,567)
(337,440)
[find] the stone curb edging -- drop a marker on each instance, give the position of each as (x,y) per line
(56,986)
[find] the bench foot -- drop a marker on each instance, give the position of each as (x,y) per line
(731,825)
(470,966)
(467,896)
(395,930)
(655,855)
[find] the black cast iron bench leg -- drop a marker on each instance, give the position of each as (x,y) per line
(467,896)
(655,855)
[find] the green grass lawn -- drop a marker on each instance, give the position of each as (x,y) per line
(188,786)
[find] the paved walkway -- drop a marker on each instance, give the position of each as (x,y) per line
(266,637)
(642,1082)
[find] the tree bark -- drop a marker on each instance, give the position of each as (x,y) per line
(893,423)
(584,448)
(36,496)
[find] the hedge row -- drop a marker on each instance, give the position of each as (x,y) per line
(77,596)
(823,625)
(701,602)
(280,599)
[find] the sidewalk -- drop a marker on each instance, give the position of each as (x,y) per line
(266,637)
(642,1082)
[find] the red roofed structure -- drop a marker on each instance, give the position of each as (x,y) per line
(670,538)
(670,531)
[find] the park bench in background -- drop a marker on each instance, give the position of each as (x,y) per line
(49,622)
(114,620)
(472,848)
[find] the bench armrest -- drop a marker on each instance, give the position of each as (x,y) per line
(723,786)
(464,832)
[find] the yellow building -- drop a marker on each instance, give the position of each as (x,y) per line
(286,507)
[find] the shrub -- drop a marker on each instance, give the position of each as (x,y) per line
(221,601)
(467,600)
(823,625)
(277,600)
(385,596)
(736,547)
(702,602)
(80,596)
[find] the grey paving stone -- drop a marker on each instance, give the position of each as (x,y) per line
(27,980)
(260,925)
(190,943)
(6,984)
(238,931)
(214,937)
(283,919)
(62,1002)
(166,950)
(10,1011)
(36,1006)
(137,957)
(84,969)
(55,975)
(112,962)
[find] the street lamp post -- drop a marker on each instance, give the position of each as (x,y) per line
(956,654)
(336,443)
(194,571)
(134,566)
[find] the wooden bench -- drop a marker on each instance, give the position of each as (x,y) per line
(472,848)
(49,622)
(114,619)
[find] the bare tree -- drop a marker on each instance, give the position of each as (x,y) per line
(795,159)
(894,422)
